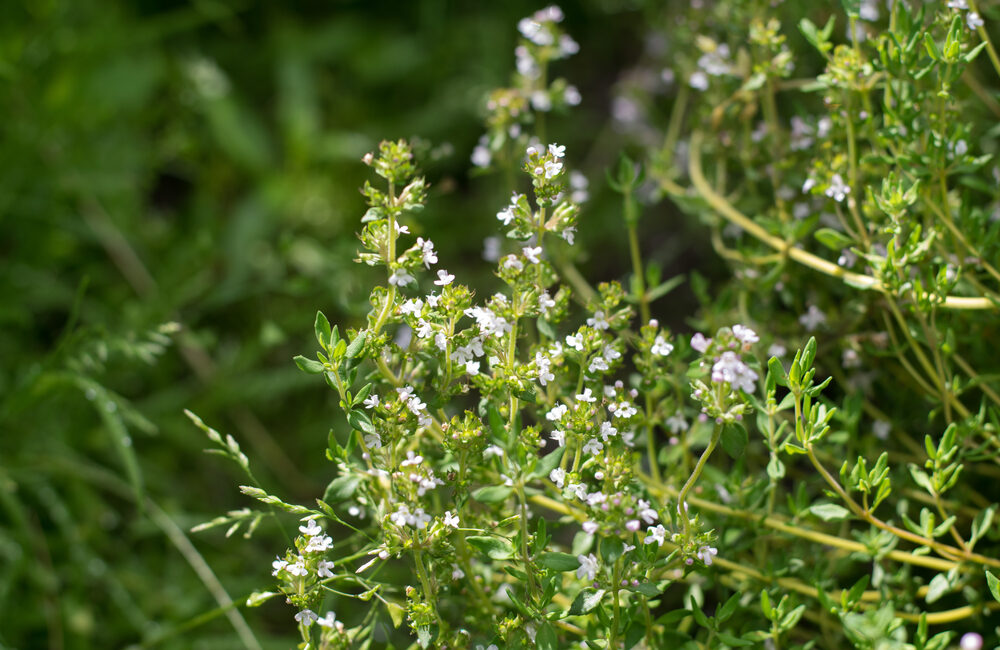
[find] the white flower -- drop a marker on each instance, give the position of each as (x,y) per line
(558,476)
(593,447)
(598,364)
(622,410)
(323,569)
(661,347)
(706,553)
(444,278)
(511,262)
(731,370)
(973,20)
(481,156)
(543,364)
(698,80)
(575,341)
(280,564)
(588,566)
(311,529)
(607,431)
(808,185)
(745,335)
(307,617)
(541,101)
(971,641)
(545,302)
(646,512)
(427,251)
(572,96)
(412,307)
(676,423)
(589,527)
(297,569)
(472,368)
(458,574)
(401,277)
(532,253)
(556,413)
(433,300)
(557,150)
(319,544)
(812,319)
(838,190)
(450,519)
(552,168)
(506,215)
(598,321)
(776,350)
(421,519)
(329,621)
(881,429)
(586,396)
(655,534)
(700,343)
(491,451)
(412,459)
(558,437)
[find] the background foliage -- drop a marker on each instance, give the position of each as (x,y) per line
(198,164)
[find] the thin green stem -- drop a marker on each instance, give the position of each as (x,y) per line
(682,495)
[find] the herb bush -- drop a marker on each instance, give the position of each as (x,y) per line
(803,458)
(548,465)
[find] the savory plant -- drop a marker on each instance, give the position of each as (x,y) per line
(541,466)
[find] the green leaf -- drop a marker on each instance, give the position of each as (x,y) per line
(492,493)
(734,439)
(258,598)
(559,561)
(778,371)
(994,585)
(611,549)
(833,239)
(496,548)
(728,608)
(309,365)
(585,601)
(355,347)
(322,328)
(938,587)
(829,511)
(648,589)
(851,7)
(361,421)
(734,641)
(548,463)
(546,637)
(699,616)
(775,468)
(496,424)
(341,488)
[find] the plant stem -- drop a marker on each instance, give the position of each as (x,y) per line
(682,495)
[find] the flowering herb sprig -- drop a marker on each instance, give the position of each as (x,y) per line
(541,460)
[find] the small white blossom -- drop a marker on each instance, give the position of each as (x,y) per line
(745,335)
(450,519)
(593,447)
(838,189)
(586,396)
(444,278)
(706,553)
(589,527)
(532,253)
(700,343)
(311,529)
(557,150)
(556,413)
(319,544)
(401,277)
(661,347)
(646,512)
(812,319)
(731,370)
(558,437)
(588,566)
(973,20)
(491,451)
(655,534)
(599,321)
(607,431)
(558,476)
(323,569)
(427,251)
(306,617)
(575,341)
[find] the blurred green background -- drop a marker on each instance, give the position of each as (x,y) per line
(198,163)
